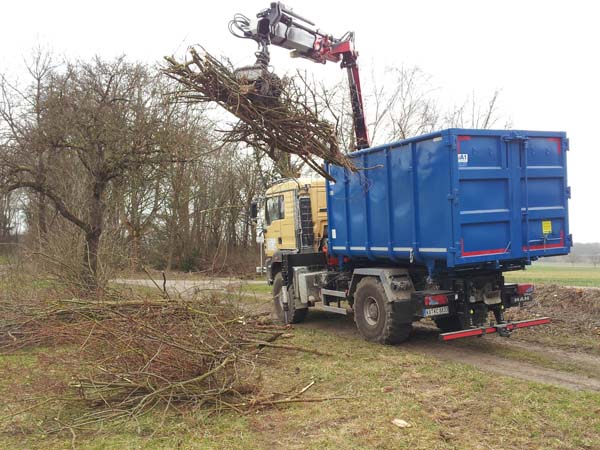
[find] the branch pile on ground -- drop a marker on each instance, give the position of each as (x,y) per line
(127,358)
(573,310)
(288,123)
(41,322)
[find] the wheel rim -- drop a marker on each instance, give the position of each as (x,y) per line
(371,311)
(279,301)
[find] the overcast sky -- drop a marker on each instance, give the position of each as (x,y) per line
(544,55)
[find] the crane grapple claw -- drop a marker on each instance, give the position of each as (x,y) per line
(256,79)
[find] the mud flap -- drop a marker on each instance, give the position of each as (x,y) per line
(404,311)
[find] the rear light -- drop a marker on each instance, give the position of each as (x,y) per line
(334,260)
(436,300)
(525,289)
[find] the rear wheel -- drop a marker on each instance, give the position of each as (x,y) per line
(293,315)
(375,317)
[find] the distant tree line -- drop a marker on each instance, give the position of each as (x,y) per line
(581,253)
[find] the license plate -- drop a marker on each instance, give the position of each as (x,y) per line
(436,311)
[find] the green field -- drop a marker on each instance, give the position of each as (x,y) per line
(562,274)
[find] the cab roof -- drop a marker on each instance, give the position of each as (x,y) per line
(289,184)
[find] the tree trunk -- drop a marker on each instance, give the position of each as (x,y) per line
(134,256)
(41,200)
(92,237)
(41,220)
(90,261)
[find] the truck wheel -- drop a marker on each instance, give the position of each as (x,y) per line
(375,317)
(293,315)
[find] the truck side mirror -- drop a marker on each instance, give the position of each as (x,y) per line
(254,210)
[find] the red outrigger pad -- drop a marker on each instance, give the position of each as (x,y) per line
(501,328)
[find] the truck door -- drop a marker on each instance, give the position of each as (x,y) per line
(274,213)
(513,196)
(487,227)
(280,221)
(542,193)
(290,227)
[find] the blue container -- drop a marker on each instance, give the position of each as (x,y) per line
(452,199)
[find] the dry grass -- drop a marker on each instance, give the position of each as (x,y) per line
(575,314)
(447,405)
(120,358)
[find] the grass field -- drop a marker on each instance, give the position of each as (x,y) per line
(447,405)
(564,275)
(263,289)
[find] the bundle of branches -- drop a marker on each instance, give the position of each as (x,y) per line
(128,358)
(289,122)
(34,322)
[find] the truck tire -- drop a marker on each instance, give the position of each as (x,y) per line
(293,315)
(375,317)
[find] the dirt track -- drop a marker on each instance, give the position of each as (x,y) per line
(482,353)
(518,357)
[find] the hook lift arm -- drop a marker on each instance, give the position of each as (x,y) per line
(281,26)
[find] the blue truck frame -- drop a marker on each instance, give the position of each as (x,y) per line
(453,199)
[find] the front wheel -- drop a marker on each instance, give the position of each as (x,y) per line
(293,315)
(375,317)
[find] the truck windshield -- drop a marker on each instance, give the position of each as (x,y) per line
(274,209)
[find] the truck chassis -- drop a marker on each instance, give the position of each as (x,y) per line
(387,300)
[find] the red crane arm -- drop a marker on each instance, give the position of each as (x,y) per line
(349,56)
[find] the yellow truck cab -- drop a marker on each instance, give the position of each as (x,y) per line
(295,220)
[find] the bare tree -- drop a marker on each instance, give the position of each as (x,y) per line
(402,103)
(8,212)
(22,111)
(475,114)
(96,122)
(410,108)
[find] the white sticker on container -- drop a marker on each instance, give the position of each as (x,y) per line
(463,159)
(333,235)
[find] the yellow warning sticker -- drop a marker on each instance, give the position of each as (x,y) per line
(546,226)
